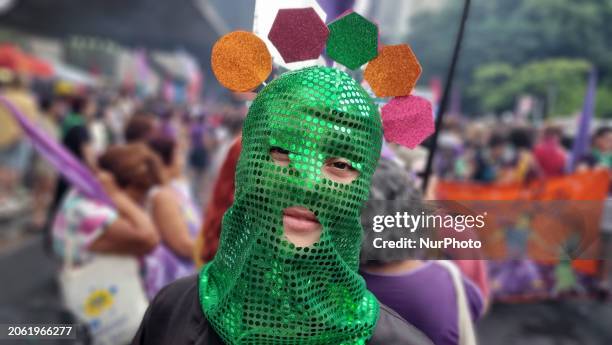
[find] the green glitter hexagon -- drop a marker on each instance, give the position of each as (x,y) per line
(352,41)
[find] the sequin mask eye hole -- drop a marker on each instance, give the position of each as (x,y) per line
(337,169)
(279,156)
(340,170)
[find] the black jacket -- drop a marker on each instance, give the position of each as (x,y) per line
(175,318)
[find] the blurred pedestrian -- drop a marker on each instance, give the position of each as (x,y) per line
(45,176)
(176,217)
(82,111)
(76,138)
(523,167)
(433,296)
(549,154)
(15,149)
(601,152)
(127,174)
(198,153)
(100,132)
(219,139)
(140,128)
(451,159)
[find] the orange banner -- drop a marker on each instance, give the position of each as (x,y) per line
(554,217)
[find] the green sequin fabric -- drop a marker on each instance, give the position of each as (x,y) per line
(260,289)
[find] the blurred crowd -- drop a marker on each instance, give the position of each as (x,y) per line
(88,122)
(512,152)
(153,159)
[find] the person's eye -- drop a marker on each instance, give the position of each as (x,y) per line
(278,150)
(342,165)
(279,156)
(340,170)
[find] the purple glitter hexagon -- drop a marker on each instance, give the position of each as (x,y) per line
(299,34)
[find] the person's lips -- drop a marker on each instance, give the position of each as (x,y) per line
(300,219)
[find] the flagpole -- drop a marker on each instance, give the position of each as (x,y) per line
(446,94)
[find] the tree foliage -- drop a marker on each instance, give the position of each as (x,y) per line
(519,42)
(559,84)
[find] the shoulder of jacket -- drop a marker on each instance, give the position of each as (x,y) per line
(392,329)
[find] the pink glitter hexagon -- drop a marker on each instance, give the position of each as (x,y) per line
(298,34)
(407,120)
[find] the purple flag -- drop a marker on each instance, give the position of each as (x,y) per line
(63,161)
(581,141)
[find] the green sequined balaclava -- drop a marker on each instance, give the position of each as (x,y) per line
(260,288)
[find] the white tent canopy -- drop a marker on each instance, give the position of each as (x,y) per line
(72,74)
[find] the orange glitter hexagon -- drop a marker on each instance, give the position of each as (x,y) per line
(394,72)
(241,61)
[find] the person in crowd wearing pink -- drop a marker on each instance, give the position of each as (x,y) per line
(549,154)
(176,217)
(127,173)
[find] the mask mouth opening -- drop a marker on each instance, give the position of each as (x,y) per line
(301,226)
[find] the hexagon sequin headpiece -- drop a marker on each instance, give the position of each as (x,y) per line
(241,63)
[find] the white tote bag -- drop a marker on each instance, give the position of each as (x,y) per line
(106,293)
(467,334)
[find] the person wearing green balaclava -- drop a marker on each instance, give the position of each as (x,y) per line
(286,268)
